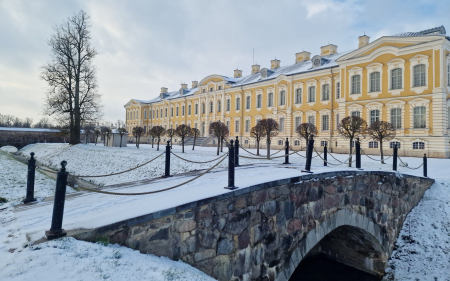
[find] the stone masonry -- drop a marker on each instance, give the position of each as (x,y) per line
(262,232)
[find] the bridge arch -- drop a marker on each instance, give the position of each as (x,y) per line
(366,238)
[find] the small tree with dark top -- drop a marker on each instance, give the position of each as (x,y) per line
(106,132)
(350,128)
(122,132)
(224,133)
(258,133)
(137,133)
(195,133)
(305,130)
(170,133)
(158,132)
(88,130)
(271,129)
(215,129)
(183,131)
(381,131)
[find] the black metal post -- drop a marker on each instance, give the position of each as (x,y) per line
(30,179)
(309,155)
(425,172)
(394,160)
(56,230)
(325,155)
(358,153)
(231,158)
(167,169)
(236,152)
(286,152)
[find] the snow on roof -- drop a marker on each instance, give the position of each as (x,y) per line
(27,129)
(439,30)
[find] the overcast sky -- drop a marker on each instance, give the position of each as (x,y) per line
(145,45)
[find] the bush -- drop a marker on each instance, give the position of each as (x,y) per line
(3,200)
(102,241)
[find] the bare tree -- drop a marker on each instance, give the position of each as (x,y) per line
(88,129)
(271,128)
(120,123)
(72,96)
(106,132)
(158,132)
(97,133)
(170,133)
(122,131)
(305,130)
(224,133)
(258,133)
(215,129)
(195,133)
(137,133)
(350,128)
(183,131)
(381,131)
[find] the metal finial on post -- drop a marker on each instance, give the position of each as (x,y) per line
(358,154)
(325,152)
(309,154)
(30,180)
(286,152)
(56,230)
(231,157)
(167,166)
(394,158)
(236,152)
(425,164)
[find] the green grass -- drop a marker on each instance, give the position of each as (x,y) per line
(102,241)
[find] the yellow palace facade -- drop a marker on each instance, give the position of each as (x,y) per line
(403,79)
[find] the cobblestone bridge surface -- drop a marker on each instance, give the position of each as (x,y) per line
(262,232)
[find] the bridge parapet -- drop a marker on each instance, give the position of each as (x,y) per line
(262,232)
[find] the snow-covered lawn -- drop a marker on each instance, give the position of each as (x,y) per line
(422,253)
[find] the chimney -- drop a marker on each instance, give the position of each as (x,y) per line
(194,84)
(328,50)
(302,56)
(163,90)
(255,68)
(237,73)
(274,64)
(183,86)
(363,41)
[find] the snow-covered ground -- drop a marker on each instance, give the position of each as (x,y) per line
(423,251)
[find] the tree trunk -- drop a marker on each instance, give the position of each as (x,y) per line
(221,144)
(152,142)
(351,150)
(77,116)
(195,137)
(158,144)
(268,146)
(121,136)
(182,144)
(381,151)
(257,147)
(218,145)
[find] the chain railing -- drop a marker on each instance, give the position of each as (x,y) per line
(380,160)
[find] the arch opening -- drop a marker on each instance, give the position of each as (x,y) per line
(346,253)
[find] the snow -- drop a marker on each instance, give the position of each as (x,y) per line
(9,149)
(27,129)
(431,234)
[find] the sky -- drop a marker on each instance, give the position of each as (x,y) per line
(145,45)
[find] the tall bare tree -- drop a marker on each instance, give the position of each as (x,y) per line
(137,133)
(71,76)
(350,128)
(88,130)
(106,132)
(97,132)
(305,130)
(224,133)
(122,131)
(381,131)
(215,129)
(158,132)
(258,133)
(183,131)
(271,128)
(170,133)
(195,133)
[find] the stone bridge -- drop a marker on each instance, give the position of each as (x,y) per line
(263,232)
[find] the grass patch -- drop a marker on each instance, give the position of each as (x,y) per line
(3,200)
(102,241)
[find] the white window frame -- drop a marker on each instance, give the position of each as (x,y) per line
(413,62)
(374,115)
(419,116)
(312,95)
(354,71)
(298,96)
(282,98)
(397,123)
(259,101)
(270,99)
(326,92)
(325,122)
(393,64)
(281,121)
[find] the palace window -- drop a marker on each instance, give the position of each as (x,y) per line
(203,108)
(326,92)
(298,121)
(323,143)
(419,117)
(178,111)
(298,96)
(337,121)
(238,103)
(228,124)
(396,117)
(204,90)
(166,112)
(270,102)
(161,113)
(338,90)
(356,113)
(211,105)
(220,87)
(356,84)
(228,104)
(325,122)
(182,110)
(247,102)
(396,79)
(312,94)
(247,126)
(145,114)
(419,75)
(296,142)
(280,142)
(236,126)
(219,106)
(282,124)
(282,98)
(311,119)
(392,143)
(259,101)
(171,112)
(418,145)
(375,81)
(196,108)
(246,141)
(157,111)
(374,116)
(211,89)
(373,144)
(189,109)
